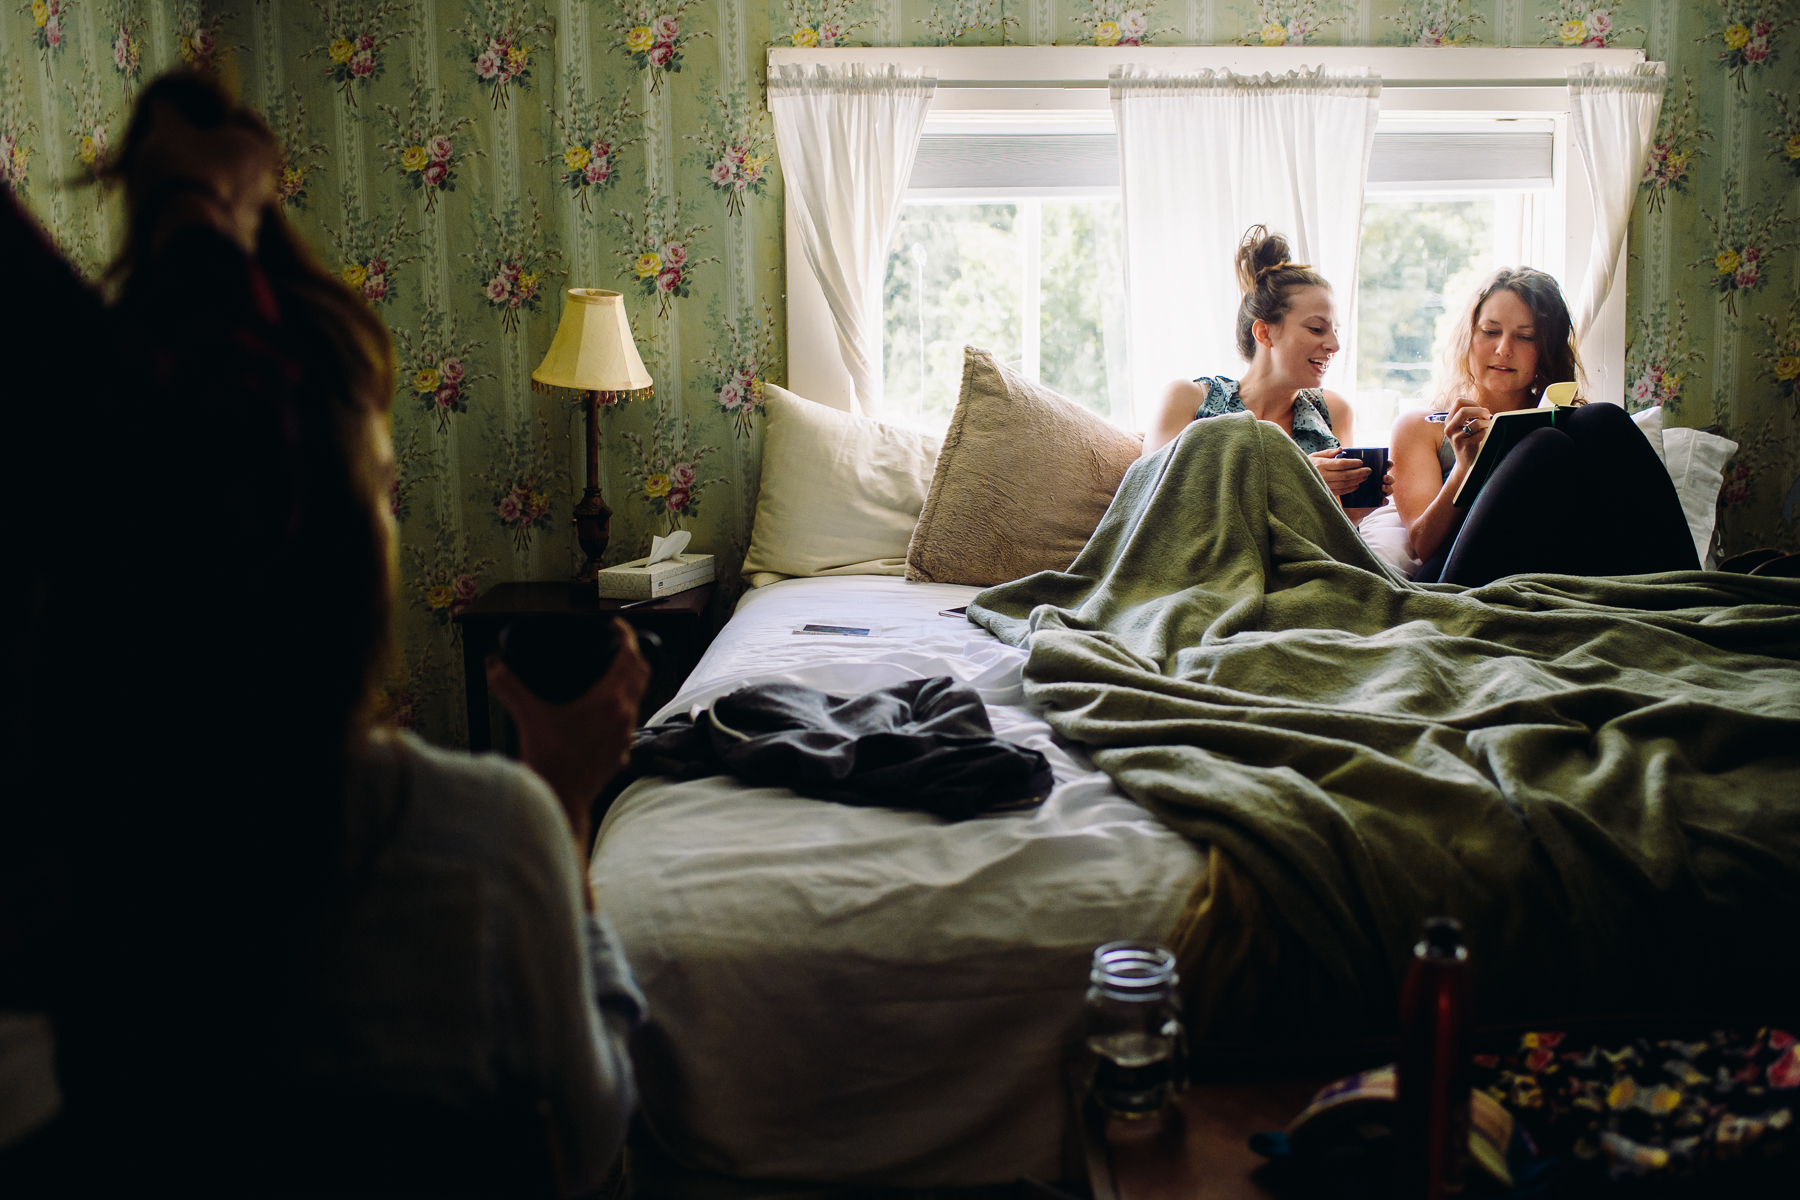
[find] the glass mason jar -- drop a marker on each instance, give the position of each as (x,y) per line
(1136,1046)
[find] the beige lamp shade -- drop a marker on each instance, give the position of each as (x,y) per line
(593,350)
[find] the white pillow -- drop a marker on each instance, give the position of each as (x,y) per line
(1649,423)
(1386,536)
(840,494)
(1696,462)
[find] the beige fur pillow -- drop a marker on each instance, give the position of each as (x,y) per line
(840,493)
(1023,478)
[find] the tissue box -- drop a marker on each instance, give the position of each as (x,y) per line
(639,581)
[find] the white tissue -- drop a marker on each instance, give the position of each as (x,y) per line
(662,549)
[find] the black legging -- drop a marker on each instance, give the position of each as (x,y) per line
(1589,497)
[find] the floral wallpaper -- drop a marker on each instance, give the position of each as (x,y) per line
(462,161)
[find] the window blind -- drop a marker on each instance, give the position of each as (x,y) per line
(1038,160)
(1449,161)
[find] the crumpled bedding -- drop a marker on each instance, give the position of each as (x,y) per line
(1599,777)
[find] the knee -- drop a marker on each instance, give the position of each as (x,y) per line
(1600,418)
(1549,449)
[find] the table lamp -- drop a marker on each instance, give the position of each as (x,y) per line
(593,360)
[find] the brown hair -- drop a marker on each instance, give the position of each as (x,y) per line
(219,814)
(1554,331)
(333,527)
(1268,277)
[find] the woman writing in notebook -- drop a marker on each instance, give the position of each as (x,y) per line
(1287,333)
(1588,497)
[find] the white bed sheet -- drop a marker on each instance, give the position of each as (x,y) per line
(867,995)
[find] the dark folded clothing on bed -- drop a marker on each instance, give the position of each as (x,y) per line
(925,744)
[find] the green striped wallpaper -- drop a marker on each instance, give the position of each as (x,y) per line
(461,161)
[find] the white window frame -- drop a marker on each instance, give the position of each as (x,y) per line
(1451,82)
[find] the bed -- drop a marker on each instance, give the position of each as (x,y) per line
(874,997)
(866,995)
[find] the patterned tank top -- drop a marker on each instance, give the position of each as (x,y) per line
(1312,420)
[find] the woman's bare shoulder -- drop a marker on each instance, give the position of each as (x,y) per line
(1184,388)
(1412,428)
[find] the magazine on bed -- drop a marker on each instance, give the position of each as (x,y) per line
(1508,429)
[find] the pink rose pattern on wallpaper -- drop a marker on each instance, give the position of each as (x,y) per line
(1784,137)
(1436,23)
(949,25)
(1677,144)
(654,38)
(592,138)
(1747,237)
(1576,23)
(1780,353)
(501,44)
(448,577)
(127,26)
(736,152)
(1658,361)
(287,120)
(1288,22)
(88,131)
(16,129)
(434,366)
(359,35)
(513,263)
(822,24)
(408,475)
(524,486)
(196,35)
(1117,22)
(736,373)
(405,696)
(47,18)
(667,470)
(658,250)
(425,146)
(655,171)
(371,252)
(1749,33)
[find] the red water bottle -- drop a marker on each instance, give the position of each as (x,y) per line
(1437,1017)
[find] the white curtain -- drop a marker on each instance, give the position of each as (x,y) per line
(847,136)
(1202,158)
(1612,121)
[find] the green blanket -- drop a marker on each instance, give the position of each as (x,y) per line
(1600,777)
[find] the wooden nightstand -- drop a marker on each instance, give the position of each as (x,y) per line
(679,620)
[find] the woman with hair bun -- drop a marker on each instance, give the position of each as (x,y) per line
(1287,333)
(1613,506)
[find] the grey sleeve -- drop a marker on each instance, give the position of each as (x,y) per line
(615,991)
(572,994)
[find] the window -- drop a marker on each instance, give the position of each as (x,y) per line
(1011,239)
(1015,219)
(1448,201)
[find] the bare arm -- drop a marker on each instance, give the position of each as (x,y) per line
(1181,400)
(1422,494)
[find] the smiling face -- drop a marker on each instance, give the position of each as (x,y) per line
(1503,352)
(1302,345)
